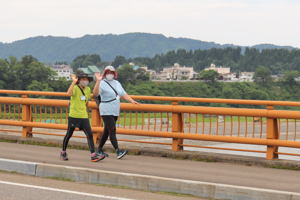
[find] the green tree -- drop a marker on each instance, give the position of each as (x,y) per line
(60,85)
(118,61)
(85,61)
(4,74)
(38,86)
(262,75)
(289,78)
(19,75)
(128,75)
(142,75)
(208,75)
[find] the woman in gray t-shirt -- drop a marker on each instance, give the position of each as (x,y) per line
(110,91)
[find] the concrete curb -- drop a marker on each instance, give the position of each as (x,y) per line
(22,167)
(144,182)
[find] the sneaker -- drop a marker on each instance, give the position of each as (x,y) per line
(121,153)
(96,157)
(64,156)
(102,153)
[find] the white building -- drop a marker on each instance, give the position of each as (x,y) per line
(177,72)
(246,76)
(221,70)
(151,72)
(231,77)
(63,71)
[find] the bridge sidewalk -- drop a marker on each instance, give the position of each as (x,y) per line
(215,172)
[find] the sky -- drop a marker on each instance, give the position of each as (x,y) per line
(240,22)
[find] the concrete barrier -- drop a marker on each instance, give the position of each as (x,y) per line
(148,183)
(161,184)
(22,167)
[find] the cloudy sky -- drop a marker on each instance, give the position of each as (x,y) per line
(241,22)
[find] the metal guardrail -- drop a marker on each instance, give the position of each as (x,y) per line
(269,127)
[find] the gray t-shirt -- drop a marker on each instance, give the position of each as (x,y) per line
(107,94)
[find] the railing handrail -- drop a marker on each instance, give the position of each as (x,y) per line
(165,108)
(171,99)
(38,93)
(164,134)
(27,106)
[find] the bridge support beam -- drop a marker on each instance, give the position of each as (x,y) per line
(27,117)
(177,126)
(272,133)
(96,122)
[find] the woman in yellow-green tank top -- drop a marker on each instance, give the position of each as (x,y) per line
(80,94)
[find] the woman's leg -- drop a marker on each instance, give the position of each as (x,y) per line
(109,129)
(86,127)
(105,134)
(71,128)
(112,133)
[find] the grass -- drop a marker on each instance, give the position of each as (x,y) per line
(296,168)
(59,178)
(9,172)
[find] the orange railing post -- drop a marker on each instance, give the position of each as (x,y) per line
(177,127)
(96,122)
(272,133)
(26,116)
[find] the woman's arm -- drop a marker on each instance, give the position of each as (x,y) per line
(97,85)
(129,99)
(70,90)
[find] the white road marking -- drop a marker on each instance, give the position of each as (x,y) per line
(64,191)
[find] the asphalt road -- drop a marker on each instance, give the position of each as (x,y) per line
(259,177)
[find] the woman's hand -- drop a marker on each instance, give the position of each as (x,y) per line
(98,76)
(134,102)
(74,78)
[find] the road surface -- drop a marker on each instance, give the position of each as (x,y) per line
(16,187)
(216,172)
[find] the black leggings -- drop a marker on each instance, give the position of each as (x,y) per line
(109,130)
(82,124)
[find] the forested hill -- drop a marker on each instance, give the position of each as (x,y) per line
(50,49)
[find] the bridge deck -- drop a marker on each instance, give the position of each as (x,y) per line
(278,179)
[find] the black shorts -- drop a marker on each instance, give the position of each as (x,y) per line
(80,123)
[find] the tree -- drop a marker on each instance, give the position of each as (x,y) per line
(289,78)
(38,86)
(60,85)
(26,60)
(262,75)
(19,75)
(128,75)
(209,75)
(4,74)
(142,75)
(85,61)
(119,60)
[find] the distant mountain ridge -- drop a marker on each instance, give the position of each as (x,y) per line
(50,49)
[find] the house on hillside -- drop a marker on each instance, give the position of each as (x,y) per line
(90,70)
(221,70)
(246,77)
(62,71)
(177,72)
